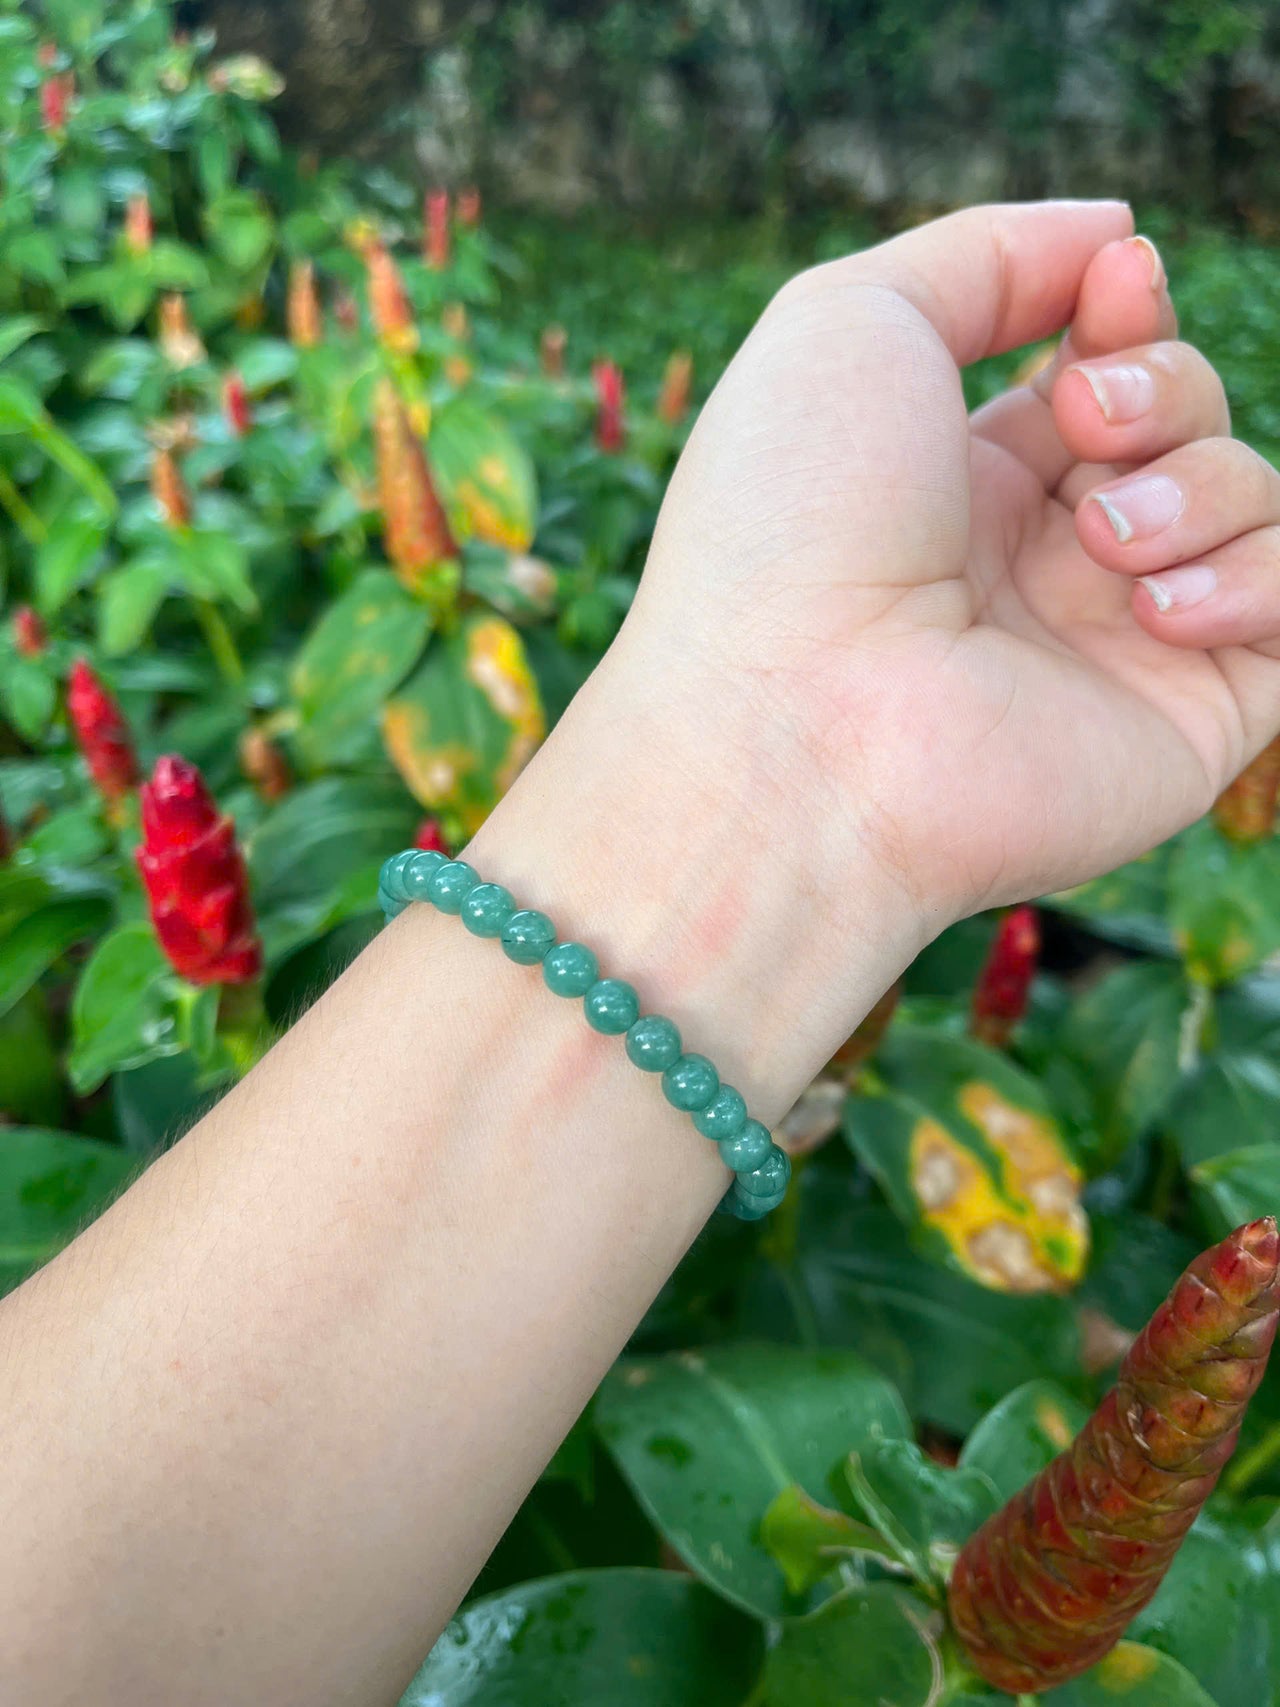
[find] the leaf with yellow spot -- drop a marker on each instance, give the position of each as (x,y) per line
(1131,1676)
(1022,1434)
(1224,903)
(353,659)
(972,1160)
(465,726)
(486,476)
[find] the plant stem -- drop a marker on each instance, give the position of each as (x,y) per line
(221,644)
(1258,1459)
(24,517)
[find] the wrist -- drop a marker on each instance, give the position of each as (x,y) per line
(665,845)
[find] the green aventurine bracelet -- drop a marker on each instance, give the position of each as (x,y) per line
(689,1082)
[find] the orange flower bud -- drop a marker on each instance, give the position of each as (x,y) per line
(388,304)
(415,530)
(138,230)
(178,338)
(303,317)
(469,206)
(435,233)
(1245,811)
(611,431)
(169,489)
(677,383)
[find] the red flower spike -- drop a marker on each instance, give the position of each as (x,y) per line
(304,320)
(430,837)
(1245,811)
(1049,1584)
(415,529)
(55,100)
(435,230)
(29,633)
(388,305)
(551,350)
(195,878)
(169,489)
(1000,999)
(677,384)
(101,733)
(470,207)
(138,228)
(236,406)
(47,55)
(611,431)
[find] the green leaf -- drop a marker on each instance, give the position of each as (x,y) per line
(1239,1186)
(34,255)
(1217,1612)
(1233,1102)
(352,661)
(213,565)
(809,1540)
(633,1638)
(16,330)
(1224,903)
(708,1439)
(971,1158)
(128,600)
(868,1645)
(951,1347)
(468,722)
(51,1183)
(1131,1676)
(30,946)
(65,558)
(265,363)
(1125,1034)
(173,266)
(28,694)
(72,837)
(310,844)
(1023,1433)
(486,477)
(924,1511)
(240,228)
(126,1009)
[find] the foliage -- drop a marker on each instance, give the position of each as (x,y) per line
(192,502)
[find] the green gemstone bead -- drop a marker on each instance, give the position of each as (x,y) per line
(746,1149)
(770,1177)
(487,909)
(570,969)
(527,936)
(724,1115)
(391,908)
(418,872)
(750,1208)
(391,877)
(690,1083)
(653,1043)
(452,883)
(611,1006)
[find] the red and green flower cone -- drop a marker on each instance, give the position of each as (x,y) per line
(1004,986)
(415,530)
(102,734)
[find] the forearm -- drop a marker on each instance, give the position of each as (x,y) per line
(264,1421)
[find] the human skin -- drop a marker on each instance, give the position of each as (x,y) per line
(263,1422)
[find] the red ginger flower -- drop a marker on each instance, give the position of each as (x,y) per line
(236,406)
(1049,1584)
(55,100)
(1245,811)
(469,206)
(29,633)
(138,229)
(415,529)
(677,383)
(195,878)
(435,232)
(101,733)
(169,489)
(388,304)
(303,318)
(611,432)
(1000,999)
(430,837)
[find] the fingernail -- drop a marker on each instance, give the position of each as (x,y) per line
(1179,589)
(1141,507)
(1159,278)
(1124,392)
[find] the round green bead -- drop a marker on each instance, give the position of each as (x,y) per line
(770,1177)
(611,1006)
(724,1115)
(487,908)
(745,1208)
(391,877)
(417,874)
(570,969)
(527,936)
(452,883)
(391,908)
(690,1083)
(653,1043)
(746,1149)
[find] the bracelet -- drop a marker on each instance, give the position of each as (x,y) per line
(689,1082)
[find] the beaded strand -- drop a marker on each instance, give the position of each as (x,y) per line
(689,1082)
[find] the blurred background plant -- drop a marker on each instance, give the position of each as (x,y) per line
(313,517)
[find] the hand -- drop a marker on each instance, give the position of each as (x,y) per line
(926,627)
